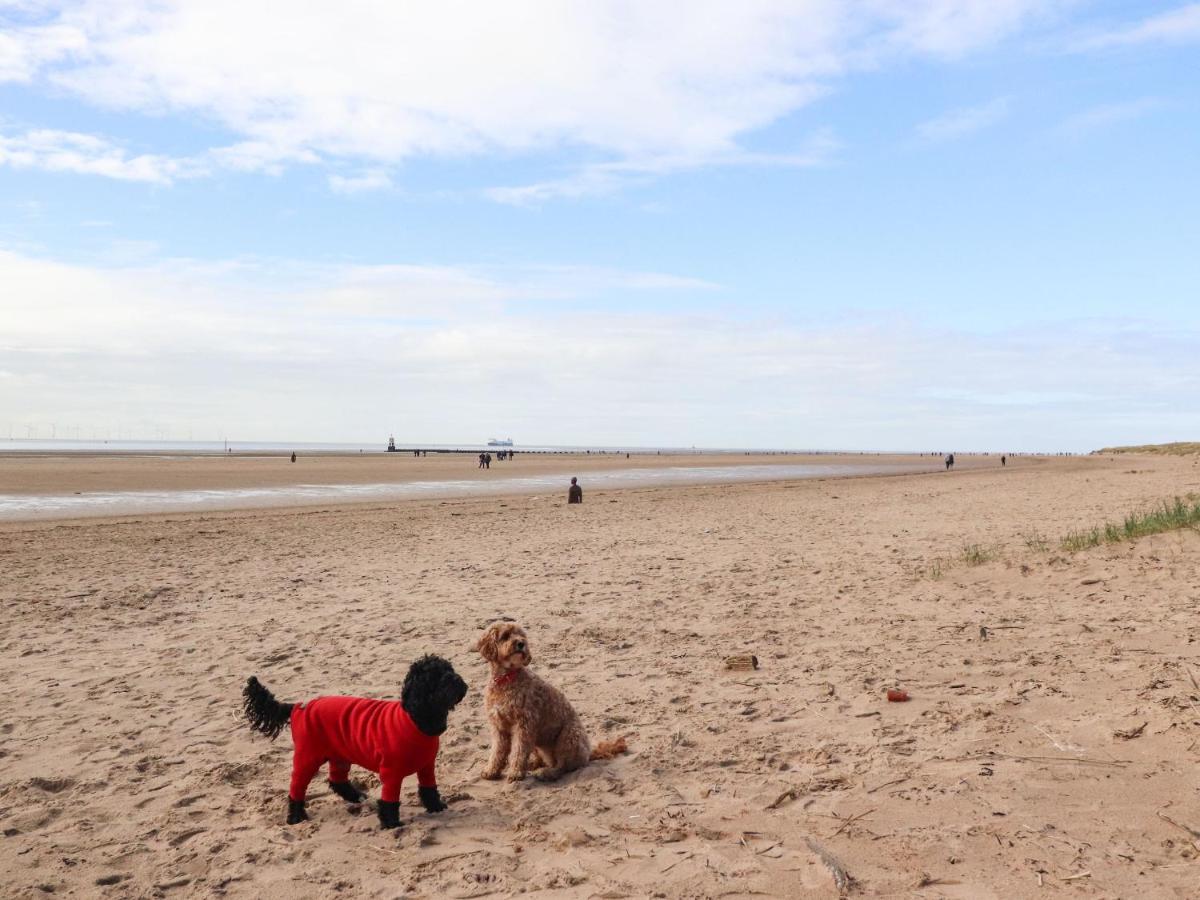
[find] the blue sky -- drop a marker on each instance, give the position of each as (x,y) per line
(859,225)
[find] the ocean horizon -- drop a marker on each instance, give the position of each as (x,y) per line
(206,448)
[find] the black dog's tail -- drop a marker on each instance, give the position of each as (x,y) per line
(263,711)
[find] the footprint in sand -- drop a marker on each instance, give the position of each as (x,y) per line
(35,819)
(51,785)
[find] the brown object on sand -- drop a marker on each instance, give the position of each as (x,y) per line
(895,695)
(610,749)
(742,661)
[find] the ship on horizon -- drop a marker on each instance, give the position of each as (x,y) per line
(498,442)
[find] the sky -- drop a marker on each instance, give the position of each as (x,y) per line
(858,225)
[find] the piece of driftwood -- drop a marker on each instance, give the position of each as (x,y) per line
(850,821)
(880,787)
(741,662)
(1129,734)
(1084,761)
(790,794)
(1194,832)
(841,879)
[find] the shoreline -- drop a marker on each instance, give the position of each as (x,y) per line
(65,488)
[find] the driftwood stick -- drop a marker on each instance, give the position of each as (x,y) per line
(841,879)
(850,821)
(677,862)
(442,859)
(790,794)
(880,787)
(1082,760)
(1195,833)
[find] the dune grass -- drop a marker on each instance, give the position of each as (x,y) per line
(1036,541)
(1167,516)
(1179,448)
(978,554)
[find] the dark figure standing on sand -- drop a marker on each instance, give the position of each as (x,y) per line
(481,460)
(293,456)
(949,461)
(575,492)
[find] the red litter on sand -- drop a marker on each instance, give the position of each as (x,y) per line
(895,695)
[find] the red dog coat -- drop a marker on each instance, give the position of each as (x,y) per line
(372,734)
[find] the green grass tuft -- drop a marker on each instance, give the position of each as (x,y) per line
(977,554)
(1081,540)
(1036,541)
(1167,516)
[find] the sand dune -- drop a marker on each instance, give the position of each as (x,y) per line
(1050,745)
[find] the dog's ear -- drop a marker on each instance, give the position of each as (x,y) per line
(486,645)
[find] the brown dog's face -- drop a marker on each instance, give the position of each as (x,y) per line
(504,644)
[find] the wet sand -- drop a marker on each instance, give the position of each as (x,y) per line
(1050,746)
(57,487)
(67,473)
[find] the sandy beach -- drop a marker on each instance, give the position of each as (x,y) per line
(1049,747)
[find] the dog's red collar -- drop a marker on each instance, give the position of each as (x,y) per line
(507,678)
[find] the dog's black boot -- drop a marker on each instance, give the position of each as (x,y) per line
(347,791)
(431,799)
(296,813)
(389,814)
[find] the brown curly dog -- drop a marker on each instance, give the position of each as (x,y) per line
(533,724)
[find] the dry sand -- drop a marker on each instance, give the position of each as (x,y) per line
(125,772)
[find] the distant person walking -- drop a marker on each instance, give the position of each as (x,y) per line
(575,492)
(949,461)
(1003,460)
(293,456)
(481,460)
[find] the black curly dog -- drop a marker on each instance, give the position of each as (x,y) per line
(392,738)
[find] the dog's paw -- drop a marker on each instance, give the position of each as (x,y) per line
(490,774)
(389,814)
(296,813)
(514,777)
(347,791)
(431,799)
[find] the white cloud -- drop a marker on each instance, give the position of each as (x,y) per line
(598,179)
(1107,115)
(260,156)
(962,122)
(23,51)
(87,154)
(379,83)
(356,184)
(139,302)
(1176,26)
(953,28)
(291,350)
